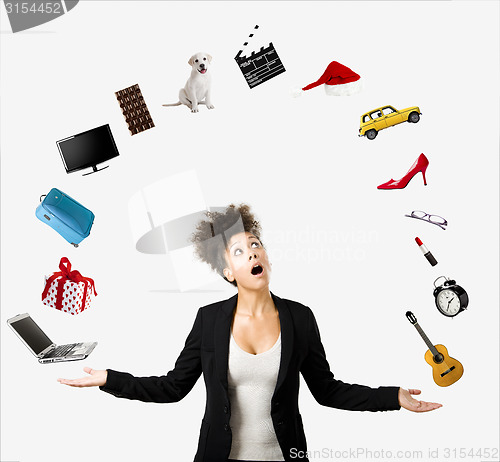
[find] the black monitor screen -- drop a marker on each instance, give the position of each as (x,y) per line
(88,149)
(29,331)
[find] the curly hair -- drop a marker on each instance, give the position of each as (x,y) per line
(212,251)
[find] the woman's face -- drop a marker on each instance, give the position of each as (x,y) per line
(247,262)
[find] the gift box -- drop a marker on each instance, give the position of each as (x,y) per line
(68,290)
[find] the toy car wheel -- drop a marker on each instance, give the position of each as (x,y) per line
(414,117)
(371,134)
(74,245)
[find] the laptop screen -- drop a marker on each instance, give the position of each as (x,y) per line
(29,331)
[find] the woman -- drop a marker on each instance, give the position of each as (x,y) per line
(250,349)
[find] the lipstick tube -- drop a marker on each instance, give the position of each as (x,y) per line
(426,252)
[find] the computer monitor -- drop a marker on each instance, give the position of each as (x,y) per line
(88,149)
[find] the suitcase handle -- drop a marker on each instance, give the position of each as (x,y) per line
(43,195)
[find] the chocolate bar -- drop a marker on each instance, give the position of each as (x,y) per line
(134,109)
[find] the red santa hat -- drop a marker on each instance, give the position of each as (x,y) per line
(338,80)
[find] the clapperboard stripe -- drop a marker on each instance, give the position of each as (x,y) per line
(261,66)
(245,44)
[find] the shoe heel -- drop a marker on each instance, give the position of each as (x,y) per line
(423,175)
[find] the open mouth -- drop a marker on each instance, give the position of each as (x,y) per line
(257,269)
(202,71)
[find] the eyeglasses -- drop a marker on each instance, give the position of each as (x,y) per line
(434,219)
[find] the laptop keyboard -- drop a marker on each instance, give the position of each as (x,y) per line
(62,350)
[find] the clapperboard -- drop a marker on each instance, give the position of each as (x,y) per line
(260,66)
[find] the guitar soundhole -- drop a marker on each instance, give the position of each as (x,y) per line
(438,358)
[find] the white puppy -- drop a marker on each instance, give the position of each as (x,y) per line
(197,89)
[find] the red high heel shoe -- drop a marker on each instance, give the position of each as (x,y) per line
(420,165)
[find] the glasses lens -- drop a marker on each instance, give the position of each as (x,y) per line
(437,219)
(418,214)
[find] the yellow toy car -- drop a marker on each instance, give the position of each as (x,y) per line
(386,116)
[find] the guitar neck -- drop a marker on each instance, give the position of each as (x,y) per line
(426,339)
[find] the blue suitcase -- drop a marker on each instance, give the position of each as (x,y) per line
(65,215)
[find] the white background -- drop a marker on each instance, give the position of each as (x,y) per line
(337,243)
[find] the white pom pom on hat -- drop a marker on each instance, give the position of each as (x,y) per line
(296,92)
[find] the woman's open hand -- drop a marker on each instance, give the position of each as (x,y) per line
(414,405)
(96,379)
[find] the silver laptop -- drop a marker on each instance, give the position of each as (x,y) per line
(42,347)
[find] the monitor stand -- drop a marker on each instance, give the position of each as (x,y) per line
(95,169)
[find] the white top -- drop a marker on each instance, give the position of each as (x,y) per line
(251,383)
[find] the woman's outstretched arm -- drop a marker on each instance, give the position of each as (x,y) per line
(159,389)
(334,393)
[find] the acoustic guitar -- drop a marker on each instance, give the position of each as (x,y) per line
(445,369)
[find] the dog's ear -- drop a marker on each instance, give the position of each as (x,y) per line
(209,58)
(191,60)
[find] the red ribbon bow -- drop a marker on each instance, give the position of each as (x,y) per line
(67,275)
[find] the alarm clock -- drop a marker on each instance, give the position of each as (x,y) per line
(451,299)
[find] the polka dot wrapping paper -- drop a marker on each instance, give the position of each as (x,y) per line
(67,290)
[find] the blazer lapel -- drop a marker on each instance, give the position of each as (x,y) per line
(222,332)
(286,326)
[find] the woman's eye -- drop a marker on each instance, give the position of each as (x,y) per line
(254,245)
(238,252)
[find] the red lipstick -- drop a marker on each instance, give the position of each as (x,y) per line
(426,252)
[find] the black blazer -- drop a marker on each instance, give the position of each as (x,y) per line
(207,349)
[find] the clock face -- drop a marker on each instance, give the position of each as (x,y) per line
(448,302)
